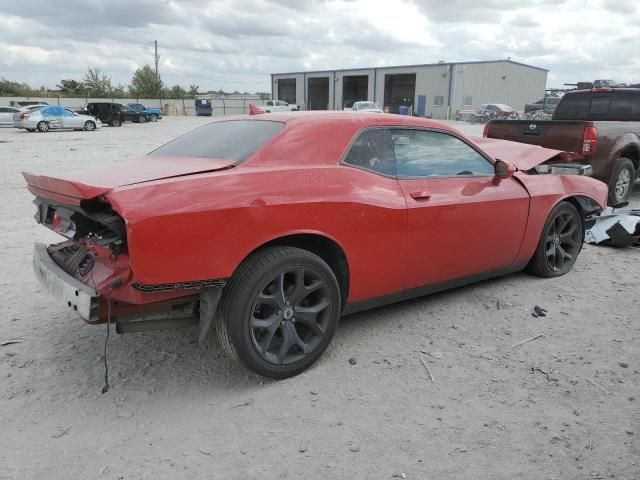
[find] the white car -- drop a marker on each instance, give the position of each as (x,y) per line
(6,115)
(54,117)
(365,107)
(278,106)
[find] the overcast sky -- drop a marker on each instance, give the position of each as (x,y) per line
(236,44)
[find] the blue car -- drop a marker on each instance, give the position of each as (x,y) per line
(152,114)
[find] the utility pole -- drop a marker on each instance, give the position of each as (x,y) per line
(156,57)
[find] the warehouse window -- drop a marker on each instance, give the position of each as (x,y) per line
(438,100)
(468,101)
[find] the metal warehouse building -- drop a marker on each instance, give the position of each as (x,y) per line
(437,89)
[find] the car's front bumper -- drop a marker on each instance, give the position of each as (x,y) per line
(78,296)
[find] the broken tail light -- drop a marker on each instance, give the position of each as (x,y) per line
(589,140)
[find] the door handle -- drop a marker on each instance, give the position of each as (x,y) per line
(419,196)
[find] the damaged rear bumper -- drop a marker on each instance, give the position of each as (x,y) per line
(79,297)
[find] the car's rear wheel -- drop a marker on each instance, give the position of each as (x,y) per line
(142,119)
(43,127)
(560,243)
(89,126)
(279,311)
(622,180)
(115,122)
(153,118)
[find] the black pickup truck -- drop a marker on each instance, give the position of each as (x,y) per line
(600,127)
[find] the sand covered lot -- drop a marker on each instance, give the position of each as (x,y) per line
(564,406)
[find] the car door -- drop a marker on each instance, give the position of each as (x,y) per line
(462,219)
(6,115)
(71,120)
(53,116)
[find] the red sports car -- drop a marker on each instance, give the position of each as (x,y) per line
(274,226)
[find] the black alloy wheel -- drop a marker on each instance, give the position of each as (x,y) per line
(561,242)
(279,311)
(290,315)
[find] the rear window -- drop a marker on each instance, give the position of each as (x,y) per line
(599,106)
(228,140)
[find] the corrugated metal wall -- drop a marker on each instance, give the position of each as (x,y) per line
(483,82)
(496,82)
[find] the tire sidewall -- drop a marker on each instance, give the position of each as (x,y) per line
(89,126)
(153,118)
(43,126)
(621,164)
(240,310)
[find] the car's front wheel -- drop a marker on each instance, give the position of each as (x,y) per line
(153,117)
(279,311)
(89,126)
(622,180)
(43,127)
(116,123)
(560,243)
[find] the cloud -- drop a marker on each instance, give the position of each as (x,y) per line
(236,44)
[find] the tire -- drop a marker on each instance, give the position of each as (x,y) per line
(560,242)
(153,117)
(256,323)
(115,123)
(43,127)
(89,126)
(141,119)
(622,180)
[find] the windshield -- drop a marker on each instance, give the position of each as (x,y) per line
(366,105)
(228,140)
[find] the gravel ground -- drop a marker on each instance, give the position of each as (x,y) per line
(564,406)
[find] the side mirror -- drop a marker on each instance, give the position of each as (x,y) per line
(504,169)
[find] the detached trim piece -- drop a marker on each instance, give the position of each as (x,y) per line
(167,287)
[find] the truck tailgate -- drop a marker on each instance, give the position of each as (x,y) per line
(554,134)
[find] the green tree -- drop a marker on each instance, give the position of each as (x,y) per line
(71,87)
(97,85)
(145,83)
(177,92)
(14,89)
(193,90)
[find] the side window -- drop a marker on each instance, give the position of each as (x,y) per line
(270,103)
(421,153)
(67,113)
(4,110)
(372,150)
(599,105)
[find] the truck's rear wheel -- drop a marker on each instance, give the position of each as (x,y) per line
(279,311)
(622,179)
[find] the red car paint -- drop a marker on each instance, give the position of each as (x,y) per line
(191,219)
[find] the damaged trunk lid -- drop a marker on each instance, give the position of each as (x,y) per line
(90,183)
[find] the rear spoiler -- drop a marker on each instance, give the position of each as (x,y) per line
(61,190)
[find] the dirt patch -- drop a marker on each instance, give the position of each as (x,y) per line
(563,405)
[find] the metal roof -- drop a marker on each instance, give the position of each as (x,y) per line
(409,66)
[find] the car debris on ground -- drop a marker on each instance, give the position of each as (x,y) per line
(615,227)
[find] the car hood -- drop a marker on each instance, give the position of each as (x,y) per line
(97,181)
(521,155)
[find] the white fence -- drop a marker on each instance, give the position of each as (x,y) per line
(170,106)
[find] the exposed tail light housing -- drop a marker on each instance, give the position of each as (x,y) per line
(589,140)
(485,131)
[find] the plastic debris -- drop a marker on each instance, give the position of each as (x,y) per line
(618,228)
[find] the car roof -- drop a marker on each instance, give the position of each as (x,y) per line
(347,118)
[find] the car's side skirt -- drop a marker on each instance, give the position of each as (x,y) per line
(356,307)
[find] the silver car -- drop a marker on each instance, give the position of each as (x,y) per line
(6,115)
(54,117)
